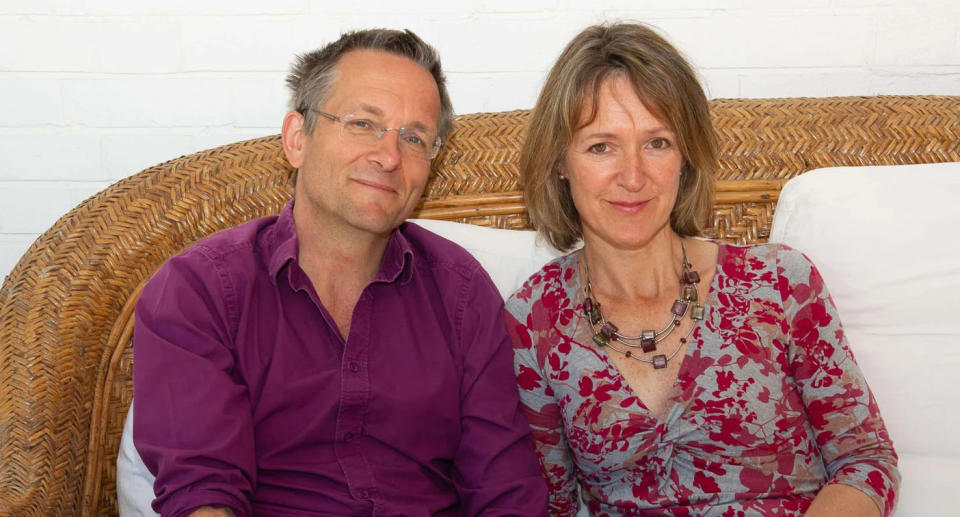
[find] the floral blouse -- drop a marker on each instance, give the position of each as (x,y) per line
(768,407)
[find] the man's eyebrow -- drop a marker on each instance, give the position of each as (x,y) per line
(373,110)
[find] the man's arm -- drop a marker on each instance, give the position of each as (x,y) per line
(192,424)
(207,511)
(499,474)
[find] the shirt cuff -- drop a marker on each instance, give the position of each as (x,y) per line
(182,505)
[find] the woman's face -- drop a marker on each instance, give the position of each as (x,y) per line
(623,169)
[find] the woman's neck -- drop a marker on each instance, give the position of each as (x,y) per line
(647,273)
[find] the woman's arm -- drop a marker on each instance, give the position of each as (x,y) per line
(842,501)
(539,406)
(849,431)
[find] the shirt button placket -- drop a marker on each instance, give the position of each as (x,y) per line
(354,400)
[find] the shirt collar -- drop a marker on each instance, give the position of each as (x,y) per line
(397,259)
(282,244)
(283,247)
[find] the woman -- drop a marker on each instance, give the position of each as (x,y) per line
(662,373)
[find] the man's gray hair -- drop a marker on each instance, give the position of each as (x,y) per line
(313,74)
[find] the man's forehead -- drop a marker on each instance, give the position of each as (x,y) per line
(376,82)
(377,68)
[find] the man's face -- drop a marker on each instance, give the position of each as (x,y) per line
(366,184)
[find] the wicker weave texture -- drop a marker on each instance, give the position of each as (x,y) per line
(66,308)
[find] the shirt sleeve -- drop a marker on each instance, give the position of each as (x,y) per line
(495,461)
(539,405)
(849,430)
(192,425)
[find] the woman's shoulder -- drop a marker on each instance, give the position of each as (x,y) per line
(556,278)
(785,270)
(773,256)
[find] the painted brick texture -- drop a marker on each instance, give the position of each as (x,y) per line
(93,91)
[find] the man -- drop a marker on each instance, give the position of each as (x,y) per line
(334,360)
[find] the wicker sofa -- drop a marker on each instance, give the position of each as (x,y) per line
(66,308)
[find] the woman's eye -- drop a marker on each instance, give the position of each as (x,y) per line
(598,148)
(659,143)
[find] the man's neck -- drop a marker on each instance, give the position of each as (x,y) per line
(340,261)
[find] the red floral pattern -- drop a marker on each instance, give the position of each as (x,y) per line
(769,405)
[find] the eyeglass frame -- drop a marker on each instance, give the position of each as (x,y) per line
(380,131)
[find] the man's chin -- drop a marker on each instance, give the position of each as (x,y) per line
(378,224)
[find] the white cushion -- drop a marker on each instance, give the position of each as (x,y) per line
(884,239)
(134,481)
(509,256)
(927,487)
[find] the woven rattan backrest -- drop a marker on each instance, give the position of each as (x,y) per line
(66,309)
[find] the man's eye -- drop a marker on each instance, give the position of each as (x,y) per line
(360,125)
(414,140)
(598,148)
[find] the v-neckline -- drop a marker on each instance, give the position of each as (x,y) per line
(617,376)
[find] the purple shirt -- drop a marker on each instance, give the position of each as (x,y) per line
(248,397)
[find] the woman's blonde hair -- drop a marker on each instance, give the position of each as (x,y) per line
(668,87)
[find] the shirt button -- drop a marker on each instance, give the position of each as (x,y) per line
(364,494)
(348,437)
(354,367)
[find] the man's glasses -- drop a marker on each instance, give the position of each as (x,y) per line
(414,142)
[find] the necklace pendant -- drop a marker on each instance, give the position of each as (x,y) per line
(608,330)
(600,340)
(679,308)
(660,361)
(698,313)
(648,340)
(592,311)
(690,293)
(690,276)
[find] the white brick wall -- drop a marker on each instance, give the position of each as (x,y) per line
(94,90)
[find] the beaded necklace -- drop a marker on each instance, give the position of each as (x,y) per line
(605,333)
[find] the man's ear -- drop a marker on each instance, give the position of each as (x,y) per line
(293,136)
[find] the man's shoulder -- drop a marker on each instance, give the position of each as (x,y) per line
(232,245)
(230,251)
(232,242)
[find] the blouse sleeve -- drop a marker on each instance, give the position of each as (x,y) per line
(849,430)
(539,405)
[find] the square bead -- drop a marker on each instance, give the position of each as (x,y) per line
(690,276)
(593,313)
(660,361)
(690,293)
(698,312)
(648,341)
(600,340)
(608,330)
(679,307)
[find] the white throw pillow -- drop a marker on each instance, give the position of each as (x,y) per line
(884,239)
(134,481)
(509,256)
